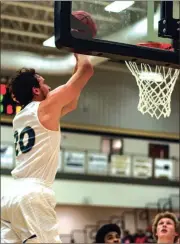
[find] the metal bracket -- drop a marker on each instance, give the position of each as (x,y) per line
(166,30)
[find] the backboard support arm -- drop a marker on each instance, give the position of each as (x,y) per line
(166,22)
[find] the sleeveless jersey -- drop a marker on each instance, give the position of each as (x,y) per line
(37,148)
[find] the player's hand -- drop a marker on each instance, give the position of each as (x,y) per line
(82,59)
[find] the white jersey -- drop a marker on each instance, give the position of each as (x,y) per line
(36,148)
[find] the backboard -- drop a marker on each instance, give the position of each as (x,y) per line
(118,31)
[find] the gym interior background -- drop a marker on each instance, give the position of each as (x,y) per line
(115,165)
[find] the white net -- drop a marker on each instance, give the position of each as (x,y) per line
(155,88)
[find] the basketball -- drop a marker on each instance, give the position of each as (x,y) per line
(87,19)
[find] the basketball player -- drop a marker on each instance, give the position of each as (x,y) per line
(109,233)
(166,228)
(27,212)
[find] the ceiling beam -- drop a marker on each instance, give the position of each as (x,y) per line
(24,33)
(32,46)
(29,5)
(26,20)
(96,16)
(96,2)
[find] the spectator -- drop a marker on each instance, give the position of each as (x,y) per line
(166,228)
(149,235)
(72,240)
(127,237)
(140,237)
(109,233)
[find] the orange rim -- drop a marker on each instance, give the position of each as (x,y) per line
(160,45)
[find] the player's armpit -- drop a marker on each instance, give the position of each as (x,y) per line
(69,108)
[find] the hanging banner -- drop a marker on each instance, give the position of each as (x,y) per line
(97,163)
(74,162)
(142,167)
(163,168)
(7,156)
(121,165)
(60,159)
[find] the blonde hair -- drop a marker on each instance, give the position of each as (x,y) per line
(168,215)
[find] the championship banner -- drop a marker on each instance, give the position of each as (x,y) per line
(163,168)
(121,165)
(142,167)
(7,156)
(97,163)
(74,162)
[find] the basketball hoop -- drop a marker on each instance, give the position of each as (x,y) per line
(156,85)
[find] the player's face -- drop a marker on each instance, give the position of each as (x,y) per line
(112,237)
(44,88)
(166,228)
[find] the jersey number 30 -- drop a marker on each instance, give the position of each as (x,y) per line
(19,139)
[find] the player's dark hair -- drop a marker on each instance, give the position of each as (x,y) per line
(20,86)
(104,230)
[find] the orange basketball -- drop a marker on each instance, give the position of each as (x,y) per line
(86,18)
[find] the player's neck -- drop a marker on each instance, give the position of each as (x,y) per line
(165,240)
(36,99)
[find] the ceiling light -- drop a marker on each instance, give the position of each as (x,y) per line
(49,42)
(118,6)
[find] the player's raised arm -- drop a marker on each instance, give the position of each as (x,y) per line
(65,94)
